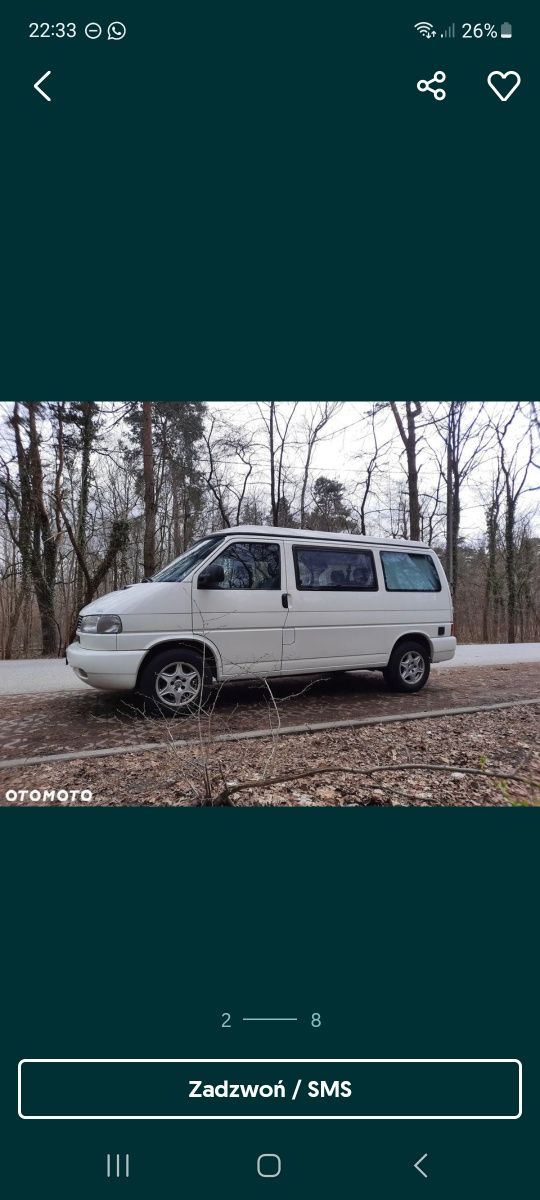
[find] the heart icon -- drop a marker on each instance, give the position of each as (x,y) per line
(504,93)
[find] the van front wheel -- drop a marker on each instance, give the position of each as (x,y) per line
(174,682)
(409,667)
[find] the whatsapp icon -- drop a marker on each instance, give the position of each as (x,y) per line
(116,31)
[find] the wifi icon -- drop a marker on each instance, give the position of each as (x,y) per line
(425,28)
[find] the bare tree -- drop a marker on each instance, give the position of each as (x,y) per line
(492,589)
(277,431)
(149,489)
(466,435)
(371,461)
(90,578)
(38,529)
(514,478)
(314,426)
(408,433)
(228,469)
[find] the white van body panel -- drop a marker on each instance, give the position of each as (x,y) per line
(147,605)
(102,669)
(268,632)
(151,613)
(330,629)
(443,649)
(245,627)
(347,629)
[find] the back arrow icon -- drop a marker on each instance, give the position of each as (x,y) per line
(418,1168)
(42,80)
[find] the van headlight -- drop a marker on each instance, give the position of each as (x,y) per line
(99,623)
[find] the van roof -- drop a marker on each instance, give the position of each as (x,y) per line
(316,534)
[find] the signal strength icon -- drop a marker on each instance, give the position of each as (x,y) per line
(425,28)
(450,32)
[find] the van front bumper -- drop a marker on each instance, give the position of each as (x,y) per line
(112,670)
(444,648)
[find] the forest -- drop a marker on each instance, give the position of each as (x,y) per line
(94,496)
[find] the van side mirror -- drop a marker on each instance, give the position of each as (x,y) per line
(213,576)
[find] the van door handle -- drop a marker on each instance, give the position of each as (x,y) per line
(285,599)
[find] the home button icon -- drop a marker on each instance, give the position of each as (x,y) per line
(269,1166)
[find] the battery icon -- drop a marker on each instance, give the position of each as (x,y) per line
(506,29)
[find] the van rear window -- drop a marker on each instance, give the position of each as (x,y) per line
(322,569)
(404,572)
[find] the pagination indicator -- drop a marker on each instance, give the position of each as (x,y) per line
(282,1089)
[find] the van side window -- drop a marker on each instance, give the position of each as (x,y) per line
(250,566)
(404,572)
(322,569)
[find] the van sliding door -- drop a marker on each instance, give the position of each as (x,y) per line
(335,616)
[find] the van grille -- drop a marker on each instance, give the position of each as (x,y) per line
(79,624)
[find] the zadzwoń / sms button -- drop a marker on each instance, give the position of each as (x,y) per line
(228,1089)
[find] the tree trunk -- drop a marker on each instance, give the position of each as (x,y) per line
(409,439)
(177,534)
(412,475)
(491,588)
(44,543)
(87,434)
(274,500)
(13,622)
(49,628)
(510,564)
(456,520)
(149,490)
(449,516)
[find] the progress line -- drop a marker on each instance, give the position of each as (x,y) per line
(269,1018)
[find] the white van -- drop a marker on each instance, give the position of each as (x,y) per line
(256,601)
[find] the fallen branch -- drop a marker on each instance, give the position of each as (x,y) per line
(290,776)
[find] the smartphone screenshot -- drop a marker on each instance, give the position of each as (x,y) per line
(269,602)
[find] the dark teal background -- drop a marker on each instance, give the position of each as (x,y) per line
(253,201)
(128,934)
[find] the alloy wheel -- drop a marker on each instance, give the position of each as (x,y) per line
(178,685)
(411,667)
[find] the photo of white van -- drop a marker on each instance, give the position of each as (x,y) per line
(260,601)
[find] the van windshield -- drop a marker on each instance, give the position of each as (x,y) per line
(181,566)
